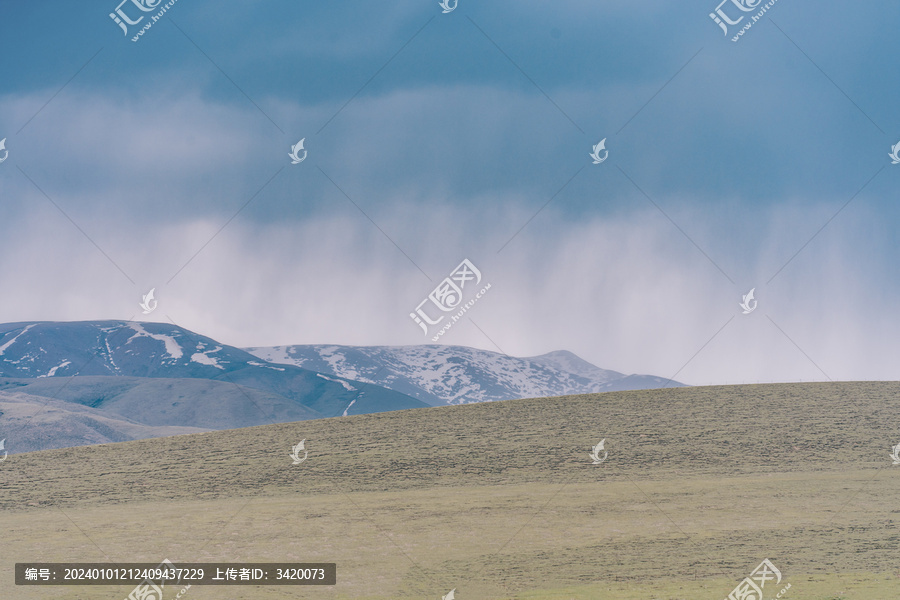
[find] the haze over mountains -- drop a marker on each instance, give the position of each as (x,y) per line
(74,383)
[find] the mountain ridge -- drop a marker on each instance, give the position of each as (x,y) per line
(438,374)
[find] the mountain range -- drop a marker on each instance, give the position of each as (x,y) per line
(74,383)
(159,375)
(439,375)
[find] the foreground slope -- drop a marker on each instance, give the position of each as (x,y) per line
(499,500)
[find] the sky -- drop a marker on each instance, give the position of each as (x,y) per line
(433,137)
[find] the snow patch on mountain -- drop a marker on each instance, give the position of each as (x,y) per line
(109,353)
(13,340)
(53,371)
(204,358)
(256,364)
(346,385)
(172,347)
(337,362)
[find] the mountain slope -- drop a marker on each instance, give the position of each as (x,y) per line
(163,401)
(438,374)
(40,423)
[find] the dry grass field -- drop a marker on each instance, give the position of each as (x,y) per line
(499,501)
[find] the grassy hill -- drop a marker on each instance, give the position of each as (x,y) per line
(497,500)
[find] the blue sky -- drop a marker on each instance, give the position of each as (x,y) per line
(435,137)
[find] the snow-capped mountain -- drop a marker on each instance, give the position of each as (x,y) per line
(117,349)
(439,375)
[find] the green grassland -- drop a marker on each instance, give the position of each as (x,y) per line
(498,500)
